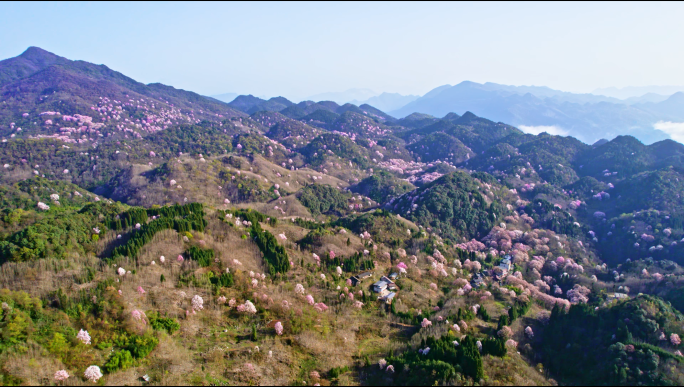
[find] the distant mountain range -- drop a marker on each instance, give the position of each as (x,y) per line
(343,97)
(38,81)
(637,91)
(226,97)
(322,112)
(387,101)
(588,117)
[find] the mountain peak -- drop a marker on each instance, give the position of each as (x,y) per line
(34,52)
(32,60)
(600,142)
(451,117)
(40,57)
(468,116)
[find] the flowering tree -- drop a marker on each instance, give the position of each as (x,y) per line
(198,302)
(425,323)
(463,325)
(310,299)
(279,328)
(138,315)
(382,363)
(61,375)
(93,373)
(247,308)
(675,340)
(578,294)
(505,332)
(528,332)
(83,337)
(299,289)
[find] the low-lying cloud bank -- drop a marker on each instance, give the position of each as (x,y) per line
(674,129)
(552,129)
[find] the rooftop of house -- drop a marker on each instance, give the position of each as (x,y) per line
(380,284)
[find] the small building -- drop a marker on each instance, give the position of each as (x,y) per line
(393,276)
(390,297)
(505,264)
(355,280)
(392,287)
(477,280)
(379,286)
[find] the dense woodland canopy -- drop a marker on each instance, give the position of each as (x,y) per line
(151,231)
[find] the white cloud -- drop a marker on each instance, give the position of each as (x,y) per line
(552,129)
(674,129)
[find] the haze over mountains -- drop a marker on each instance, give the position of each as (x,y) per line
(647,113)
(637,91)
(383,101)
(588,117)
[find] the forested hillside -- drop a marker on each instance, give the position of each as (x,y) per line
(150,232)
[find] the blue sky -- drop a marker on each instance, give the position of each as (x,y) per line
(300,49)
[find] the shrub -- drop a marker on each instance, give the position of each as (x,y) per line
(163,323)
(120,360)
(141,346)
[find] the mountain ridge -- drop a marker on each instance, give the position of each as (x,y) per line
(585,116)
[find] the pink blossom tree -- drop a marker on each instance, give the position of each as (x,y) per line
(198,302)
(93,373)
(61,376)
(83,337)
